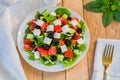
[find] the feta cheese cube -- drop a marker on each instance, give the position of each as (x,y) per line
(63,48)
(74,22)
(50,28)
(57,35)
(36,55)
(53,14)
(57,22)
(47,40)
(80,41)
(65,29)
(36,32)
(39,22)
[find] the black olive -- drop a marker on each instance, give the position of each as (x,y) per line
(35,38)
(79,31)
(50,34)
(46,46)
(55,42)
(59,51)
(44,20)
(69,18)
(37,27)
(32,44)
(53,58)
(35,49)
(62,25)
(67,42)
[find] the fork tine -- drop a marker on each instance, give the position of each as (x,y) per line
(105,51)
(108,51)
(112,51)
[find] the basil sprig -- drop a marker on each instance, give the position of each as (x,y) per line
(109,8)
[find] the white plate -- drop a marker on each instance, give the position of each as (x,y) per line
(36,64)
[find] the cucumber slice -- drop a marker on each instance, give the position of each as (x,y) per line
(30,36)
(65,16)
(72,31)
(76,52)
(60,57)
(78,25)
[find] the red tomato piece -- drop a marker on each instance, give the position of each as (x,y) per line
(27,41)
(44,26)
(33,21)
(59,16)
(74,27)
(28,47)
(32,27)
(69,53)
(62,42)
(52,51)
(42,51)
(64,21)
(74,18)
(77,36)
(57,28)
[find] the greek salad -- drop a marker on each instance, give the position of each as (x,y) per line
(55,37)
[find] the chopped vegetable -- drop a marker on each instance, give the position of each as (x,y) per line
(55,37)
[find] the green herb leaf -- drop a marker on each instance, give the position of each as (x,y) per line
(82,47)
(107,18)
(114,7)
(63,11)
(27,31)
(83,27)
(31,56)
(95,6)
(51,18)
(37,16)
(103,1)
(117,15)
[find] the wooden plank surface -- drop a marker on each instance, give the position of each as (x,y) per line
(80,69)
(83,70)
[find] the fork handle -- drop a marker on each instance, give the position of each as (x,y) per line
(105,76)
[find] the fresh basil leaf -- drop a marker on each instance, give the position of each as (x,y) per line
(107,18)
(114,7)
(118,4)
(117,15)
(103,1)
(95,6)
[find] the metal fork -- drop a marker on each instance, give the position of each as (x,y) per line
(107,58)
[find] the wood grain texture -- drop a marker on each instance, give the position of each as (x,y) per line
(80,71)
(83,70)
